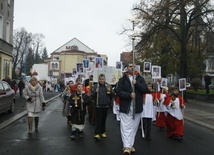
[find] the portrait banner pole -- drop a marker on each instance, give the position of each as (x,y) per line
(98,84)
(182,105)
(133,70)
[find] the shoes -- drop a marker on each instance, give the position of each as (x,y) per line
(132,149)
(179,138)
(29,131)
(80,134)
(148,139)
(104,135)
(126,151)
(97,137)
(73,135)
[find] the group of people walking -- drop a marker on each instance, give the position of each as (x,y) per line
(136,100)
(139,103)
(80,99)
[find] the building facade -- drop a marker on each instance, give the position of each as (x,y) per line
(63,60)
(6,37)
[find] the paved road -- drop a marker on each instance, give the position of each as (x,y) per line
(196,111)
(54,138)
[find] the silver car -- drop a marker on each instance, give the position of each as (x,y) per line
(7,97)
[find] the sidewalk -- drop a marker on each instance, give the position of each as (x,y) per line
(20,106)
(200,112)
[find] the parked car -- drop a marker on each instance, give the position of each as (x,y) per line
(7,97)
(211,86)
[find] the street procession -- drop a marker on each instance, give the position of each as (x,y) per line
(135,102)
(106,77)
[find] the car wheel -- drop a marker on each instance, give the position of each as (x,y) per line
(11,110)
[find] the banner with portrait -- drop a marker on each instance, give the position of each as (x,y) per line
(156,72)
(111,73)
(98,63)
(79,68)
(147,67)
(85,63)
(182,84)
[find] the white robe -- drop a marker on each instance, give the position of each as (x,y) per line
(176,112)
(148,111)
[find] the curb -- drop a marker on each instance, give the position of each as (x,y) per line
(16,117)
(199,122)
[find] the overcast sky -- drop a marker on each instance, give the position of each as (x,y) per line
(96,23)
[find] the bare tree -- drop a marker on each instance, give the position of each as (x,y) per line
(37,47)
(27,46)
(21,42)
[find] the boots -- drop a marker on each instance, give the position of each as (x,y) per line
(36,119)
(30,124)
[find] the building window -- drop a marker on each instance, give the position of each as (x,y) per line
(52,65)
(6,68)
(1,26)
(56,65)
(8,32)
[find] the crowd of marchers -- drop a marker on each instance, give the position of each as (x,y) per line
(135,103)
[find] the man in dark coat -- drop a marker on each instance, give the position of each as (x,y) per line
(130,90)
(207,80)
(21,86)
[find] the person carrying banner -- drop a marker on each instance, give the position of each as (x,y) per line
(78,101)
(130,106)
(101,93)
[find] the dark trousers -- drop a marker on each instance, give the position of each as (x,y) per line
(20,92)
(147,125)
(207,88)
(91,113)
(101,115)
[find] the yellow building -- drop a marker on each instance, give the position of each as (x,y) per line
(63,60)
(6,37)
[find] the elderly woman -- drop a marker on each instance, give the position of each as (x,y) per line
(35,102)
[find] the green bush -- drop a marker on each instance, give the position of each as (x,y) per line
(196,83)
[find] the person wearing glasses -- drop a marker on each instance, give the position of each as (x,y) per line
(130,90)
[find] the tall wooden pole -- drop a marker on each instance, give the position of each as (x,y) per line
(133,61)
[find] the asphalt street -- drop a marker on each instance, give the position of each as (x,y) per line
(196,111)
(54,136)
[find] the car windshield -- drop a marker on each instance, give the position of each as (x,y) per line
(6,86)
